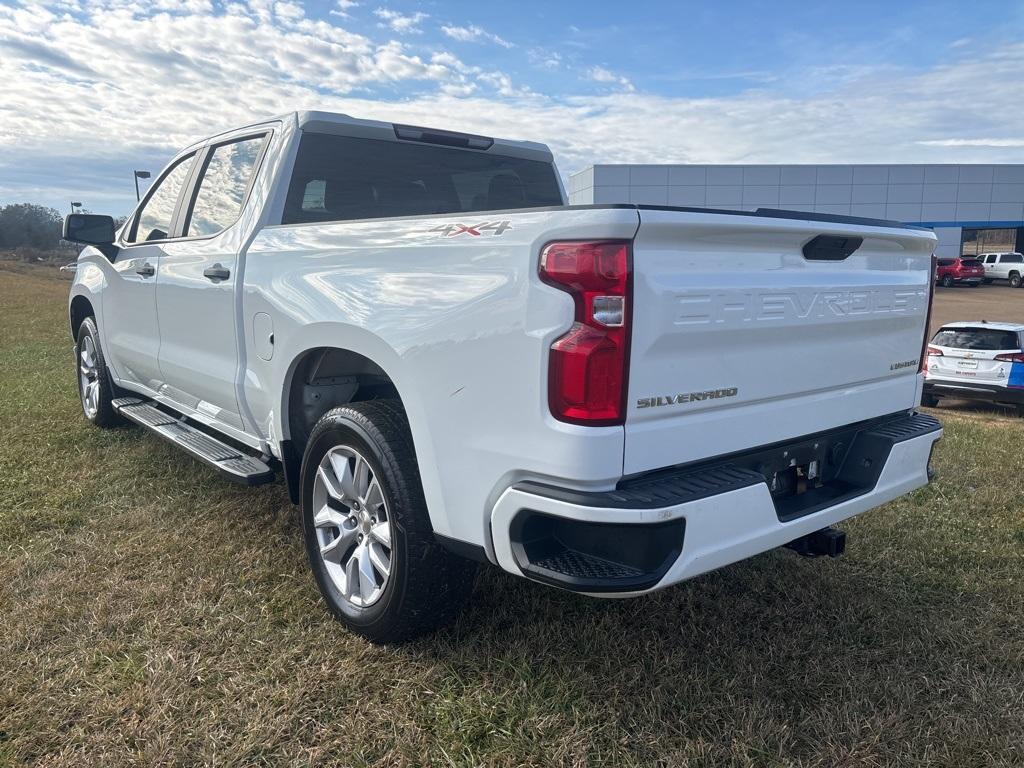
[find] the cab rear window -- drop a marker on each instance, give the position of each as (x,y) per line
(982,339)
(339,178)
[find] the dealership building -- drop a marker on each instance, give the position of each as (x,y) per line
(972,208)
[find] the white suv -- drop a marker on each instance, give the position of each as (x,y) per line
(1003,266)
(976,361)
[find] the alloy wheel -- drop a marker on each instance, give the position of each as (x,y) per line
(353,526)
(88,377)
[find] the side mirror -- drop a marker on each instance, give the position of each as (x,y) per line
(89,229)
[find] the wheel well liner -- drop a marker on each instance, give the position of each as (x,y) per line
(321,379)
(80,309)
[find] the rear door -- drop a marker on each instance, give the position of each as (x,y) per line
(130,328)
(969,355)
(196,286)
(740,339)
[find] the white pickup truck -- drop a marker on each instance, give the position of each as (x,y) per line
(449,364)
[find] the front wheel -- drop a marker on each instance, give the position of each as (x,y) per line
(95,388)
(368,534)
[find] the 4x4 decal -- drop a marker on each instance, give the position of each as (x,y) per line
(476,230)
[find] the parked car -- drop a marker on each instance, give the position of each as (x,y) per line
(1003,266)
(962,269)
(449,364)
(976,361)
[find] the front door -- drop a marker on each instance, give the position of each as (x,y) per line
(196,287)
(131,333)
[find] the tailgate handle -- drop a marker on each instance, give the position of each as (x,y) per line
(831,247)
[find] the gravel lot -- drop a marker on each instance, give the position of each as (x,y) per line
(993,302)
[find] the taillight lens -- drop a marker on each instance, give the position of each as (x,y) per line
(1011,357)
(922,364)
(932,352)
(588,365)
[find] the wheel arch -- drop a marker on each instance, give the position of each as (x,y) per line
(322,377)
(79,309)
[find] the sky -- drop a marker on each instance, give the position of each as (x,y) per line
(93,89)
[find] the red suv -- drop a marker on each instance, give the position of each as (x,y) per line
(960,270)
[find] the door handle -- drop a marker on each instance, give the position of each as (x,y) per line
(216,273)
(146,270)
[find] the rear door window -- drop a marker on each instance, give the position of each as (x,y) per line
(222,190)
(980,339)
(1012,258)
(339,178)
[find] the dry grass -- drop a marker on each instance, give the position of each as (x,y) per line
(151,614)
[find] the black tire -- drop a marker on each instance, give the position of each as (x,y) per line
(947,281)
(1015,280)
(988,281)
(427,586)
(103,415)
(975,285)
(929,401)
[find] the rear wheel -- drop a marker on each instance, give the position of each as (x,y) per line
(947,281)
(929,401)
(1015,280)
(975,285)
(95,389)
(368,534)
(988,281)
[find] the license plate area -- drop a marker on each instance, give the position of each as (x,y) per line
(808,475)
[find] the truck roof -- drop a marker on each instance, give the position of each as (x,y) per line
(338,122)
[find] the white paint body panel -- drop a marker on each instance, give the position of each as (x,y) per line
(461,325)
(724,302)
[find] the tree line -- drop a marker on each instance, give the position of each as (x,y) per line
(33,231)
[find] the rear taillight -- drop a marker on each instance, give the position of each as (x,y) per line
(1010,357)
(922,364)
(588,365)
(932,352)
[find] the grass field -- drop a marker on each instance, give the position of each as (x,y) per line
(151,614)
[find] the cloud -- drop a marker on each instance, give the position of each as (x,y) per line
(602,75)
(474,34)
(96,89)
(401,23)
(972,143)
(544,58)
(343,7)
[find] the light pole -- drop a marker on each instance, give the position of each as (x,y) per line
(75,205)
(139,175)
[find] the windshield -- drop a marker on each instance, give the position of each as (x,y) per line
(981,339)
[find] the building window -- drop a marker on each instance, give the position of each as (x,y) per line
(977,241)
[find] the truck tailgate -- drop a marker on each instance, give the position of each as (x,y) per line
(739,340)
